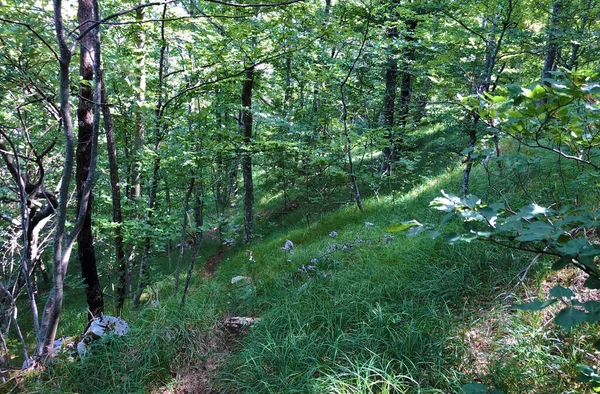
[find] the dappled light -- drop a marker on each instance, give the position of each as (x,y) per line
(300,196)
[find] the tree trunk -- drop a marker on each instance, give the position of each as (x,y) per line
(468,160)
(552,46)
(406,80)
(395,139)
(144,281)
(348,145)
(389,107)
(184,229)
(199,221)
(85,239)
(140,127)
(117,217)
(482,85)
(246,126)
(63,242)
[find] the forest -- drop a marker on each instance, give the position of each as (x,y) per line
(300,196)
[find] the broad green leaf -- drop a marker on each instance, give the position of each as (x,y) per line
(538,92)
(474,388)
(515,114)
(561,292)
(592,282)
(536,305)
(569,317)
(587,374)
(562,262)
(573,247)
(403,226)
(466,151)
(593,311)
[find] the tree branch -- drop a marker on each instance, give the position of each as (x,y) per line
(259,5)
(34,32)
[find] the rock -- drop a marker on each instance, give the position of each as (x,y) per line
(77,345)
(237,324)
(288,246)
(238,278)
(100,327)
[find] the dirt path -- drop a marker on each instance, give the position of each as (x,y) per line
(211,263)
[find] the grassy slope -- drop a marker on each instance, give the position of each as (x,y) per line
(375,314)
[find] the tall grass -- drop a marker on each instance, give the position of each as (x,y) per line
(366,311)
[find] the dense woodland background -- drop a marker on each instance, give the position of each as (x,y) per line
(302,149)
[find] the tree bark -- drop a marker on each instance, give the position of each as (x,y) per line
(246,126)
(85,239)
(144,281)
(184,229)
(117,217)
(348,144)
(199,221)
(389,105)
(63,242)
(406,92)
(553,44)
(395,139)
(140,127)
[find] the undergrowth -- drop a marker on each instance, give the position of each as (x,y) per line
(354,307)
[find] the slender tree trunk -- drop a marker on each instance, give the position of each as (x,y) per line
(184,229)
(493,43)
(199,221)
(85,239)
(63,242)
(406,92)
(134,187)
(553,43)
(348,145)
(144,281)
(389,108)
(246,126)
(468,160)
(117,217)
(168,203)
(140,127)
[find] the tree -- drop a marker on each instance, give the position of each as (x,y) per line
(85,117)
(246,127)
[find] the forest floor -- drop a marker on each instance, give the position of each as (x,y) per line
(357,307)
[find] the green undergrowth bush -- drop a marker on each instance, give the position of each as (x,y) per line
(372,311)
(161,339)
(357,308)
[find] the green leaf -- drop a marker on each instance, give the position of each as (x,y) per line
(538,92)
(592,282)
(536,305)
(466,151)
(562,262)
(588,374)
(499,99)
(573,246)
(561,292)
(474,388)
(403,226)
(593,311)
(569,317)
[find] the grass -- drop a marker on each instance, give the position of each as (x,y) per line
(366,311)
